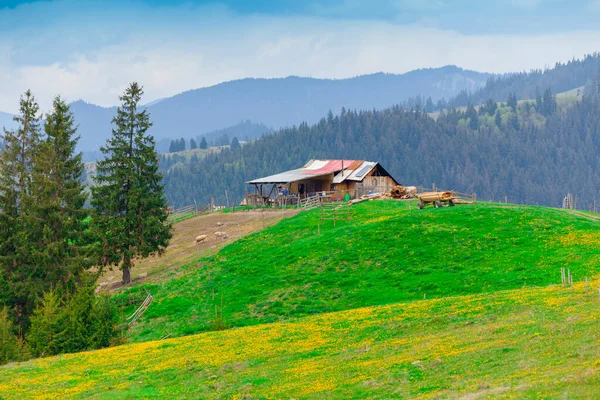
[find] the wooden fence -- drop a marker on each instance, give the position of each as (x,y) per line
(186,212)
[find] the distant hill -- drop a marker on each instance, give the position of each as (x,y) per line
(6,121)
(563,77)
(278,102)
(246,130)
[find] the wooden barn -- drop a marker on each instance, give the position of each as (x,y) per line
(329,178)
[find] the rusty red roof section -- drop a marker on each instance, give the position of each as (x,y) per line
(330,166)
(354,170)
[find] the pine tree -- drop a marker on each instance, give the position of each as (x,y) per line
(16,164)
(471,113)
(193,144)
(235,144)
(511,101)
(9,343)
(172,147)
(498,119)
(56,218)
(549,103)
(45,326)
(130,207)
(203,144)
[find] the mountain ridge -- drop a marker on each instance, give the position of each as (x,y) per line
(277,102)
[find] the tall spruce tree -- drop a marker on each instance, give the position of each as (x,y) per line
(57,230)
(18,275)
(129,202)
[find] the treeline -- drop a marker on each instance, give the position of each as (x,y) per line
(531,152)
(523,85)
(49,239)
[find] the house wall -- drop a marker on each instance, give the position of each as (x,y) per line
(381,182)
(319,184)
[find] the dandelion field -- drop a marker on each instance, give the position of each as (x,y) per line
(532,343)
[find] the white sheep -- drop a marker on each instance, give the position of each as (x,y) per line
(221,235)
(200,239)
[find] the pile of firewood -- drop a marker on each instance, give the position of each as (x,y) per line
(403,192)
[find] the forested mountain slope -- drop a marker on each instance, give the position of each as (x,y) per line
(527,85)
(530,152)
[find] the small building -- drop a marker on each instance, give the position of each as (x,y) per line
(331,178)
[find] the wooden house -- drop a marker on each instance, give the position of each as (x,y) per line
(332,178)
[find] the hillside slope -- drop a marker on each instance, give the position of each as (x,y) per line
(388,252)
(527,343)
(562,77)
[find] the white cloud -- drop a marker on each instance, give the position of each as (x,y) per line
(167,61)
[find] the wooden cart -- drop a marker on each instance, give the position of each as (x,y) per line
(436,198)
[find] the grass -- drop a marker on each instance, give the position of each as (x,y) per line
(522,343)
(388,253)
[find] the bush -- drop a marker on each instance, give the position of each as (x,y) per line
(10,345)
(79,322)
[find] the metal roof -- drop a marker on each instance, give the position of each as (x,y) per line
(360,173)
(312,169)
(353,170)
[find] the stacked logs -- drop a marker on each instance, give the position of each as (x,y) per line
(402,192)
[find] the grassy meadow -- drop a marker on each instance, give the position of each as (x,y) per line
(461,302)
(524,343)
(389,252)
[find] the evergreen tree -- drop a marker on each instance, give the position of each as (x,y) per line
(549,103)
(471,113)
(511,101)
(203,144)
(9,343)
(172,147)
(538,100)
(235,144)
(429,107)
(130,207)
(45,326)
(16,164)
(57,231)
(193,144)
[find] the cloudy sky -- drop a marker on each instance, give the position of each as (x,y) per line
(92,49)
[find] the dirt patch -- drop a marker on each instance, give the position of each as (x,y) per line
(183,246)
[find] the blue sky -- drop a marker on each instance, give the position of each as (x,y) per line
(92,49)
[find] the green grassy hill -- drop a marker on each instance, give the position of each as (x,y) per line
(389,252)
(525,343)
(396,302)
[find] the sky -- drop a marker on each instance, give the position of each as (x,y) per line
(91,50)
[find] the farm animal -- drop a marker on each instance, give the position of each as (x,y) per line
(200,239)
(221,235)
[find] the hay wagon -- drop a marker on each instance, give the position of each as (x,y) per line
(436,198)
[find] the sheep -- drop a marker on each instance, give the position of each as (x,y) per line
(200,239)
(221,235)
